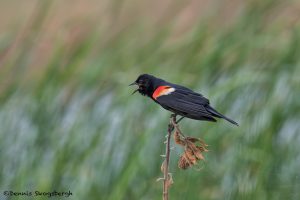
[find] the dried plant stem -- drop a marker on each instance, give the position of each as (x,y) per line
(167,181)
(193,149)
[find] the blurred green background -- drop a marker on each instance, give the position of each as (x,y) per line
(68,121)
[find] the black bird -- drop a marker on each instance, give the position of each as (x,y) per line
(178,99)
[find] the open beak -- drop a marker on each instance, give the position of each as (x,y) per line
(135,91)
(134,83)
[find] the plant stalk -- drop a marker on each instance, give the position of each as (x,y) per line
(166,183)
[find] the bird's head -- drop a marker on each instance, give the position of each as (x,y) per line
(146,84)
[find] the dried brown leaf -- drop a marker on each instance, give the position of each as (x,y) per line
(193,152)
(192,139)
(190,157)
(196,151)
(199,155)
(183,163)
(192,146)
(203,143)
(178,139)
(202,149)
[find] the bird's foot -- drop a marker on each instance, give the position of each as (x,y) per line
(173,115)
(171,124)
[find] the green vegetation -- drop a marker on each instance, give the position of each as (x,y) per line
(68,121)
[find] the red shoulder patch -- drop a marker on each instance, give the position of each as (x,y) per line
(162,90)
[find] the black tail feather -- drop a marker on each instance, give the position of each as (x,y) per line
(219,115)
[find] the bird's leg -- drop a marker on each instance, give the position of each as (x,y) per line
(179,120)
(173,115)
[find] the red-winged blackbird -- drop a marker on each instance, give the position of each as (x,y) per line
(177,99)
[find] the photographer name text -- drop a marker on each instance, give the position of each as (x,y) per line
(38,193)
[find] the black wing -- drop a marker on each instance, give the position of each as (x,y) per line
(187,103)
